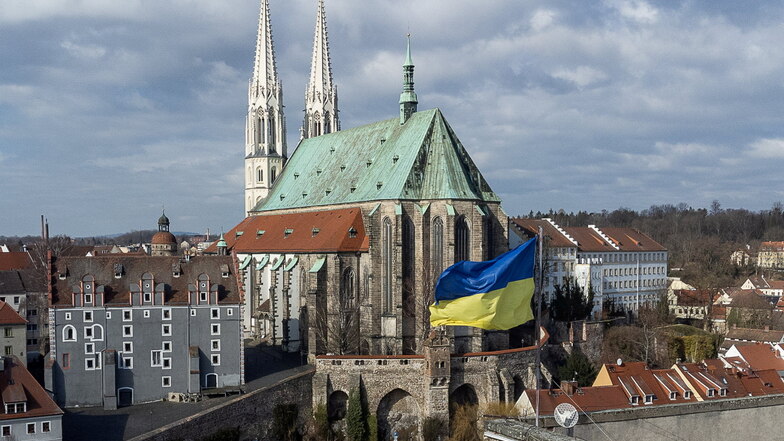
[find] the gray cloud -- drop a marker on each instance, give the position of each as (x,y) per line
(110,109)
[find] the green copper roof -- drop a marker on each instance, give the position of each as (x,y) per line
(419,160)
(408,61)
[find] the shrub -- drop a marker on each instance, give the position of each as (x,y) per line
(284,422)
(356,428)
(433,428)
(372,424)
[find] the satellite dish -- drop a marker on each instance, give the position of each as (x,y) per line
(566,415)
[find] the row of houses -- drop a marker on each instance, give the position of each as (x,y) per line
(747,370)
(768,256)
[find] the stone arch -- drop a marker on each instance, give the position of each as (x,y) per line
(337,405)
(463,408)
(519,387)
(398,412)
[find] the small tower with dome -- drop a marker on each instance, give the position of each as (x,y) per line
(163,242)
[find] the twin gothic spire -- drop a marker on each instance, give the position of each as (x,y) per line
(265,125)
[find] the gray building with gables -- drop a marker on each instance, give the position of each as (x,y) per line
(132,329)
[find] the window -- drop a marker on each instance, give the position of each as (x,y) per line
(203,296)
(165,381)
(127,315)
(166,347)
(386,266)
(9,350)
(97,332)
(68,316)
(215,329)
(127,346)
(126,362)
(146,313)
(88,316)
(166,314)
(215,345)
(5,431)
(462,239)
(128,331)
(89,348)
(32,327)
(155,359)
(193,313)
(8,332)
(215,313)
(108,315)
(166,362)
(88,298)
(88,332)
(30,427)
(46,427)
(147,299)
(32,312)
(215,358)
(89,364)
(229,312)
(166,330)
(66,361)
(32,341)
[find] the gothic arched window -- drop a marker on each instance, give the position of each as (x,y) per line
(327,128)
(409,268)
(273,175)
(271,132)
(461,239)
(437,248)
(316,124)
(386,263)
(259,175)
(348,290)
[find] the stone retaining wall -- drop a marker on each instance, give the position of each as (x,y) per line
(251,412)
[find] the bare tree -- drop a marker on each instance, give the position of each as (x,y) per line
(338,327)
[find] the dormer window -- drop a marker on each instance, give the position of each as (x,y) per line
(711,392)
(287,232)
(687,394)
(722,392)
(352,232)
(315,232)
(118,270)
(224,271)
(61,275)
(18,407)
(635,400)
(649,399)
(673,395)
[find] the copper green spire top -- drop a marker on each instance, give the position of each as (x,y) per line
(408,52)
(408,98)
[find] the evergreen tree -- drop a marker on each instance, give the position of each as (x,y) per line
(571,302)
(356,422)
(578,368)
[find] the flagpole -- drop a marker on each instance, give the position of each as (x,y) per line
(537,332)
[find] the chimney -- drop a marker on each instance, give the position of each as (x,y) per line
(569,387)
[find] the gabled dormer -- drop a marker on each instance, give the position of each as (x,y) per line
(205,293)
(84,293)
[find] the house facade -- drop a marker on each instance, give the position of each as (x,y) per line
(132,329)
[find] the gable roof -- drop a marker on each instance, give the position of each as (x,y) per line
(761,356)
(311,232)
(8,316)
(117,290)
(755,335)
(15,260)
(588,399)
(11,283)
(419,160)
(17,384)
(531,228)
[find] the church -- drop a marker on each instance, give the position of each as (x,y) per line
(344,240)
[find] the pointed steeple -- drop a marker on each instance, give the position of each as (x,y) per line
(321,95)
(408,98)
(265,125)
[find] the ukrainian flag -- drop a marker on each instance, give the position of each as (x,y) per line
(495,294)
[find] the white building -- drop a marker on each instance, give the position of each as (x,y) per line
(623,265)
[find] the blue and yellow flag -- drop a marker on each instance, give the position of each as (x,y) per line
(495,294)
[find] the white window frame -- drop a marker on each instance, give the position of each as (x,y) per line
(229,311)
(215,359)
(128,328)
(164,312)
(203,296)
(213,346)
(10,431)
(166,363)
(68,316)
(152,358)
(146,313)
(215,313)
(129,313)
(65,328)
(164,380)
(164,345)
(89,363)
(147,298)
(90,329)
(88,316)
(166,330)
(126,361)
(215,329)
(193,313)
(28,427)
(108,315)
(46,426)
(128,347)
(89,348)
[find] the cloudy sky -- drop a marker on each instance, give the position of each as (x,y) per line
(111,109)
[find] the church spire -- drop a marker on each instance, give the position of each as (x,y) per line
(265,125)
(321,96)
(408,98)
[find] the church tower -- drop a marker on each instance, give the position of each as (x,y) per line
(265,125)
(321,96)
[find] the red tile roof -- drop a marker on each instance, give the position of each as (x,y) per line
(15,260)
(17,384)
(636,378)
(771,246)
(306,232)
(531,228)
(589,240)
(761,356)
(629,239)
(587,399)
(8,316)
